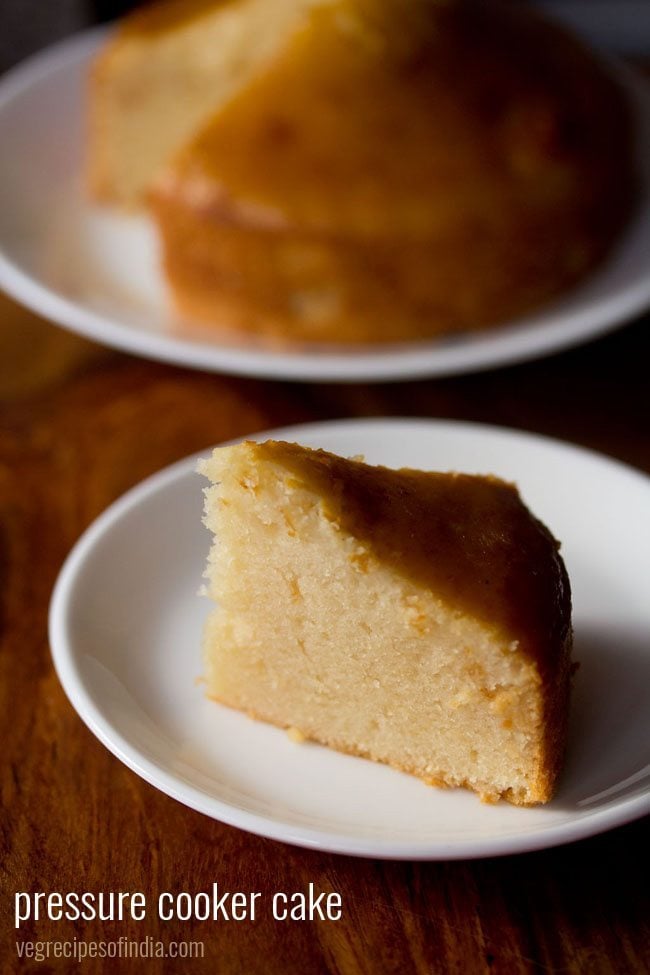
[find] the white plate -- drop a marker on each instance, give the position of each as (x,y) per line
(97,272)
(125,628)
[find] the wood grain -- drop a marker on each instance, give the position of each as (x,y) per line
(78,426)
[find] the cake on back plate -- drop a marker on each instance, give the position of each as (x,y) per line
(417,619)
(362,171)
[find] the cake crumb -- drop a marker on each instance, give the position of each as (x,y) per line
(296,735)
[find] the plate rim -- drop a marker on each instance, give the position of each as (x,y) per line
(69,673)
(520,341)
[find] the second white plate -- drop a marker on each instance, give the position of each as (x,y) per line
(125,629)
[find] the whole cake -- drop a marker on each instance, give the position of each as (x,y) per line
(354,171)
(417,619)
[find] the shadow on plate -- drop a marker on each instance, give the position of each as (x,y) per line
(608,756)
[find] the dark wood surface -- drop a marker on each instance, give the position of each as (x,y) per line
(81,424)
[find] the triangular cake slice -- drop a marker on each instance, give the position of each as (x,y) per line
(417,619)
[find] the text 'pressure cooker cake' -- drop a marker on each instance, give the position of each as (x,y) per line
(417,619)
(362,170)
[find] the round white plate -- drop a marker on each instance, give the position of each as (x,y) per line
(125,629)
(97,272)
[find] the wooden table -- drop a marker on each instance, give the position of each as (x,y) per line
(81,424)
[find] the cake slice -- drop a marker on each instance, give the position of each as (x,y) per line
(417,619)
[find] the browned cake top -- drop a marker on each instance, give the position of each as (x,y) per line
(469,539)
(390,117)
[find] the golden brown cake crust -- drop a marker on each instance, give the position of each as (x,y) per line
(405,119)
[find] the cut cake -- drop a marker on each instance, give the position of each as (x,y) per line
(361,171)
(417,619)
